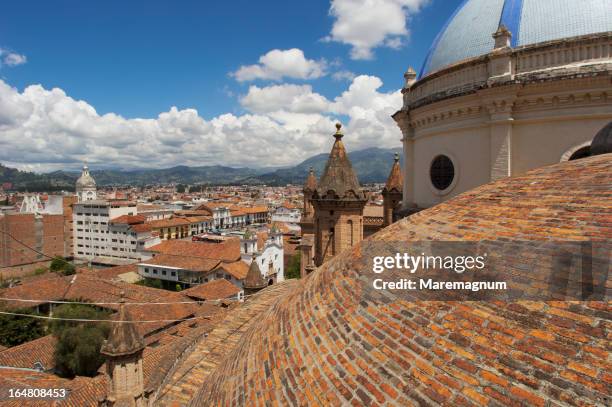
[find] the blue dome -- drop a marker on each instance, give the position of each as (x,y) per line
(468,33)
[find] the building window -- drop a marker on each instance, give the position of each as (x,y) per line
(442,172)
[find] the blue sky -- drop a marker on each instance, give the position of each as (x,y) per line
(138,59)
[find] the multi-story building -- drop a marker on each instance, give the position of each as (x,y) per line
(109,232)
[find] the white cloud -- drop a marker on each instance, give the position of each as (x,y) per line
(10,58)
(278,64)
(43,129)
(290,98)
(367,24)
(343,75)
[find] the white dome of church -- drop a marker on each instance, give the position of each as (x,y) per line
(85,180)
(86,186)
(467,34)
(508,86)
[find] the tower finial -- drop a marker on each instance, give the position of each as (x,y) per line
(397,157)
(338,135)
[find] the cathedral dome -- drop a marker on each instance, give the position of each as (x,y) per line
(468,32)
(85,180)
(331,342)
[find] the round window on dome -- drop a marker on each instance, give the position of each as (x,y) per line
(442,172)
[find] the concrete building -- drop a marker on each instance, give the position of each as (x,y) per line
(110,232)
(526,86)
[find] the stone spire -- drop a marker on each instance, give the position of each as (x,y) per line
(123,351)
(124,339)
(395,180)
(311,181)
(392,193)
(339,181)
(254,281)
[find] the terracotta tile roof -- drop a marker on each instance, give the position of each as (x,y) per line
(238,269)
(237,212)
(51,287)
(210,352)
(345,345)
(27,354)
(213,290)
(111,273)
(128,219)
(81,391)
(168,223)
(227,250)
(183,262)
(250,209)
(194,212)
(141,228)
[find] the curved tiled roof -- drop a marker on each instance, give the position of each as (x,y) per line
(328,343)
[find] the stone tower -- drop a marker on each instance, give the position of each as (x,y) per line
(123,351)
(392,192)
(310,186)
(338,203)
(86,186)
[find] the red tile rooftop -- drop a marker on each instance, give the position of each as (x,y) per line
(199,264)
(228,250)
(213,290)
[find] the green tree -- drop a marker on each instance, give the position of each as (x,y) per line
(180,188)
(62,266)
(150,282)
(15,330)
(78,343)
(293,268)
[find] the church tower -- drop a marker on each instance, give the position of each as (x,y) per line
(392,192)
(338,203)
(310,187)
(86,186)
(123,351)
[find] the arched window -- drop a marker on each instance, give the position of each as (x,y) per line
(442,172)
(581,153)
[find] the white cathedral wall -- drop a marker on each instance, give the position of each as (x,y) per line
(547,122)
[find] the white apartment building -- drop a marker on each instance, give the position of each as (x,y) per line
(109,232)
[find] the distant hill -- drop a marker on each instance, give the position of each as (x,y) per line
(371,165)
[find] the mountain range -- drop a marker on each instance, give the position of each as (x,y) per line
(371,165)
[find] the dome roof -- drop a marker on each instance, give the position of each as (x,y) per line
(330,341)
(85,180)
(468,33)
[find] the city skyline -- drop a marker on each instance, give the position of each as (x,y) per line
(269,101)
